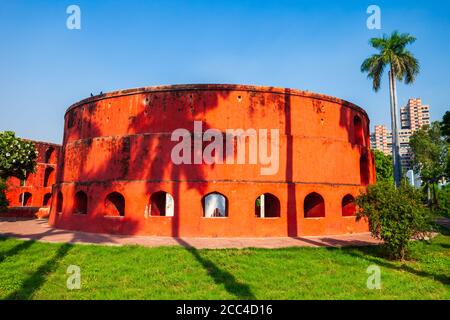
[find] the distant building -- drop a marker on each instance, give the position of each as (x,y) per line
(379,139)
(412,116)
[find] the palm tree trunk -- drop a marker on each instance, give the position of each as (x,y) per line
(394,125)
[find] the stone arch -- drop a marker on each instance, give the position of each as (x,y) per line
(80,203)
(25,199)
(215,205)
(49,155)
(49,176)
(314,206)
(267,206)
(47,200)
(161,204)
(364,170)
(115,204)
(358,131)
(348,206)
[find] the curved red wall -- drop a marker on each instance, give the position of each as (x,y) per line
(121,142)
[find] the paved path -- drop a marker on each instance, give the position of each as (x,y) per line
(40,230)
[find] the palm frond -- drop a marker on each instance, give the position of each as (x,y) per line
(412,67)
(391,50)
(374,66)
(378,43)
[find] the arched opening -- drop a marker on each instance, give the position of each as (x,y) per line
(161,204)
(314,206)
(49,155)
(115,204)
(364,171)
(267,206)
(47,200)
(25,199)
(80,203)
(358,131)
(59,202)
(215,205)
(348,206)
(49,176)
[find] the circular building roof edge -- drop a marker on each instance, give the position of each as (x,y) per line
(234,87)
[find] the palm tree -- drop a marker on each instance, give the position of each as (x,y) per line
(403,66)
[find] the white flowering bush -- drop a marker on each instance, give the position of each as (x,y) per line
(17,156)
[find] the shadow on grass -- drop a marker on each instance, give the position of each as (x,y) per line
(220,277)
(444,245)
(37,279)
(376,255)
(16,249)
(21,246)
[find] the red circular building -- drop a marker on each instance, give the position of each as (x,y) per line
(212,161)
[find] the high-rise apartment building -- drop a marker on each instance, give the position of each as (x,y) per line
(412,116)
(379,139)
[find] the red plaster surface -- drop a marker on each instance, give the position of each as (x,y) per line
(36,184)
(120,142)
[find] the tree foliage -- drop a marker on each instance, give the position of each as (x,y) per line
(443,196)
(383,166)
(17,156)
(391,51)
(430,152)
(395,215)
(430,157)
(445,126)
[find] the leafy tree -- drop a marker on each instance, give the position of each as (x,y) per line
(430,157)
(395,215)
(17,156)
(447,171)
(383,165)
(403,66)
(445,130)
(444,201)
(445,126)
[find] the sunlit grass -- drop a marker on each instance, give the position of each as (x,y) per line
(34,270)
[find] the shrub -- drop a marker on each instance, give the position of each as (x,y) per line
(395,216)
(444,201)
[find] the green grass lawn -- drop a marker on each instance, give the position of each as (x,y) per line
(34,270)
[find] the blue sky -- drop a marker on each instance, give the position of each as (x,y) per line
(309,45)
